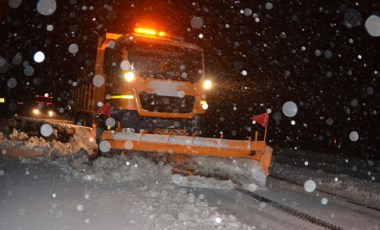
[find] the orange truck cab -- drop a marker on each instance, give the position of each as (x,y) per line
(145,80)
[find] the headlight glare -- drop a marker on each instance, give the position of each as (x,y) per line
(129,76)
(204,105)
(207,84)
(36,111)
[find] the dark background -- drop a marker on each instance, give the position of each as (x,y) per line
(336,92)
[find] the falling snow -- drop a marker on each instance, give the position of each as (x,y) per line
(110,122)
(310,186)
(28,70)
(125,65)
(12,83)
(324,201)
(46,7)
(39,57)
(313,65)
(15,3)
(49,27)
(46,130)
(197,22)
(354,136)
(290,109)
(372,25)
(73,48)
(98,80)
(268,5)
(80,207)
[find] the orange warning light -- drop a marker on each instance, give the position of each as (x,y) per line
(151,32)
(161,34)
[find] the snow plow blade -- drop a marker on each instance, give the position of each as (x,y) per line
(242,161)
(59,130)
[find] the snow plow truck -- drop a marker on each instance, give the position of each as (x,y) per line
(147,96)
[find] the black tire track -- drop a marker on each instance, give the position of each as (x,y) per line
(291,211)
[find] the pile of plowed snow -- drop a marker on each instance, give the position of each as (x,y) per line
(240,170)
(165,200)
(76,143)
(136,171)
(165,204)
(117,169)
(51,147)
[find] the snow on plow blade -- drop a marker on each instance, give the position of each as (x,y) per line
(60,130)
(242,161)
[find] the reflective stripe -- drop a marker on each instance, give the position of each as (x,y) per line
(128,97)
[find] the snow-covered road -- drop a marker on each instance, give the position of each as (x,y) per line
(55,192)
(38,195)
(330,209)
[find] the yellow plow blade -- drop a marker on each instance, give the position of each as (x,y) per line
(256,151)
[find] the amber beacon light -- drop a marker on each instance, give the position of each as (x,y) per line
(148,31)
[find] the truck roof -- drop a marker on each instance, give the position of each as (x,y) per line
(167,40)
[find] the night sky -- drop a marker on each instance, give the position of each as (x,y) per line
(261,54)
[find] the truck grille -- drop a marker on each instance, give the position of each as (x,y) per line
(156,103)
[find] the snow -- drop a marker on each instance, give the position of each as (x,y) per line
(15,3)
(125,65)
(110,122)
(268,5)
(73,48)
(372,25)
(310,186)
(354,136)
(39,57)
(365,192)
(197,22)
(150,194)
(28,70)
(53,185)
(290,109)
(46,130)
(201,182)
(12,83)
(238,170)
(46,7)
(98,80)
(79,141)
(49,27)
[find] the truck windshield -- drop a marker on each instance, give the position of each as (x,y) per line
(165,61)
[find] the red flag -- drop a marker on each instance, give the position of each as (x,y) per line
(105,109)
(262,119)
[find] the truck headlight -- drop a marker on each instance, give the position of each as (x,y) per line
(204,105)
(207,84)
(129,76)
(36,112)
